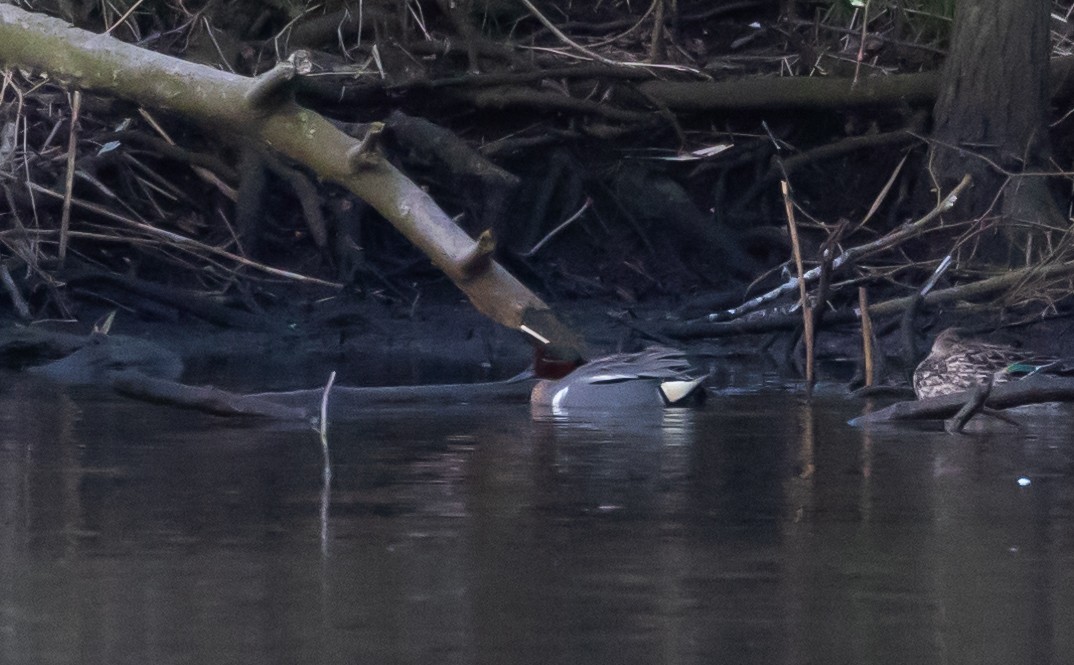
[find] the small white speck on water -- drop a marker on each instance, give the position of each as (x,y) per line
(1024,482)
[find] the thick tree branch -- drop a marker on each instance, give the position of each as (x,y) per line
(801,92)
(223,102)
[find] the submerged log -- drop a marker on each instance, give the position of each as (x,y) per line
(345,403)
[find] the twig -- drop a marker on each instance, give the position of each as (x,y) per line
(21,308)
(69,180)
(559,229)
(593,54)
(656,46)
(861,42)
(883,193)
(202,172)
(936,274)
(183,242)
(770,321)
(807,309)
(824,283)
(853,254)
(326,468)
(866,335)
(324,414)
(123,18)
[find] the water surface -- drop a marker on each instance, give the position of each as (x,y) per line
(759,529)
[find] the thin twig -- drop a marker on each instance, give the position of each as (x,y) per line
(593,54)
(69,180)
(866,334)
(883,193)
(326,468)
(203,173)
(656,46)
(123,18)
(184,242)
(853,254)
(807,309)
(21,308)
(559,229)
(324,412)
(861,43)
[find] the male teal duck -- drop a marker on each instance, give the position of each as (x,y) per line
(956,364)
(658,376)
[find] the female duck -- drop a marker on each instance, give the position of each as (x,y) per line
(956,364)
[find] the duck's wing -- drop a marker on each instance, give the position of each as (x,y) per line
(933,377)
(1041,365)
(655,362)
(990,358)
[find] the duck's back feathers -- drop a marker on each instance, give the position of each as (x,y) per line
(956,364)
(655,362)
(657,376)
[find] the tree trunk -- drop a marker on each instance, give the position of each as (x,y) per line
(991,122)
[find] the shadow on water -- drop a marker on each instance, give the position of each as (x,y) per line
(759,529)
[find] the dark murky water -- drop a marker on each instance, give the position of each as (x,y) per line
(760,529)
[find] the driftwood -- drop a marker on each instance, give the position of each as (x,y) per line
(204,398)
(144,370)
(345,403)
(1031,390)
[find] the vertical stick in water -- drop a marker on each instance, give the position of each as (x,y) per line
(807,309)
(326,472)
(866,334)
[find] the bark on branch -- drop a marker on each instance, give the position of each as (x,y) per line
(1032,390)
(802,92)
(223,103)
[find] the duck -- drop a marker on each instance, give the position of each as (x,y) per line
(956,364)
(658,376)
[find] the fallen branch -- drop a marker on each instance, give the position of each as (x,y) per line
(263,110)
(979,289)
(202,398)
(347,404)
(1031,390)
(974,405)
(799,93)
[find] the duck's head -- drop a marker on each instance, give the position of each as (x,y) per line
(552,363)
(946,342)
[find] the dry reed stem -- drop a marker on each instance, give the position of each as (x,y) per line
(866,335)
(807,310)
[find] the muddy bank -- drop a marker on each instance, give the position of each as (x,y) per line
(443,340)
(298,345)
